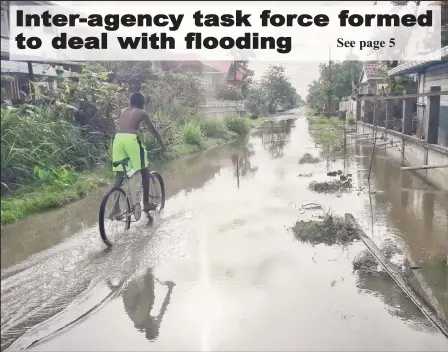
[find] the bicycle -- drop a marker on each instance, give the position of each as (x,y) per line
(131,207)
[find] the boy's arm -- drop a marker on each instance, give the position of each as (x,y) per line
(153,130)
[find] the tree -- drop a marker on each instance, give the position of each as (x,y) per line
(276,88)
(444,16)
(248,74)
(336,83)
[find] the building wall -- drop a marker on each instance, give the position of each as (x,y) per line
(437,76)
(415,153)
(220,108)
(348,105)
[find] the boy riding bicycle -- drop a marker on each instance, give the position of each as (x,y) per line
(127,145)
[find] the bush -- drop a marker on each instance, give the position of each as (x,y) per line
(323,120)
(351,120)
(32,144)
(192,133)
(214,127)
(237,124)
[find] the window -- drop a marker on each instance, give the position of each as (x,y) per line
(5,22)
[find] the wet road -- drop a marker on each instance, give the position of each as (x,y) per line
(220,269)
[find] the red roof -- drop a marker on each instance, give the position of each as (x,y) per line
(220,66)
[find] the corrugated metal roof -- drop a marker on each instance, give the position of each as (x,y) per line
(375,70)
(38,69)
(418,65)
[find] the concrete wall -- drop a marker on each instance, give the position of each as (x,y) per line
(219,108)
(436,75)
(413,152)
(348,105)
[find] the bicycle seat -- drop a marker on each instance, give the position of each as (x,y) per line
(121,162)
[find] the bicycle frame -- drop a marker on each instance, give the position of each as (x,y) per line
(128,175)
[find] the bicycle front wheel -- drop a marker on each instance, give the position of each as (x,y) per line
(157,189)
(115,215)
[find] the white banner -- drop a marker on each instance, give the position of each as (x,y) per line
(259,31)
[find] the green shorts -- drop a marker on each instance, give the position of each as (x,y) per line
(128,145)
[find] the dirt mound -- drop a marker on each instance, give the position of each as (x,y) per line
(331,230)
(333,186)
(308,159)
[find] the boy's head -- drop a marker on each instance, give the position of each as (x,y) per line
(137,101)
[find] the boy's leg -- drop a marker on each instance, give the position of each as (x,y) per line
(147,204)
(118,153)
(139,161)
(118,182)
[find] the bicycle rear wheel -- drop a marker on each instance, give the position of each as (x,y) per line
(115,215)
(157,189)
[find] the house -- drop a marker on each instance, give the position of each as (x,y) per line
(372,81)
(429,74)
(17,74)
(211,73)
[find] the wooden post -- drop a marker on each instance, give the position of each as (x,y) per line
(389,114)
(358,110)
(423,167)
(397,276)
(403,146)
(31,76)
(432,127)
(407,115)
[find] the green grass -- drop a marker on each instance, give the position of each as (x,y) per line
(192,133)
(322,120)
(351,120)
(55,188)
(33,199)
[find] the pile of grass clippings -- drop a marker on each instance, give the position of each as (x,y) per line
(308,159)
(334,186)
(330,231)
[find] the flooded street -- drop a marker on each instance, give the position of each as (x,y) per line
(220,268)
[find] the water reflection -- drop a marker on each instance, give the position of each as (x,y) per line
(418,215)
(275,136)
(241,162)
(138,299)
(398,304)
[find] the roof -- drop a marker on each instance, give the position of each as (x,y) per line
(220,66)
(10,67)
(420,65)
(375,70)
(214,66)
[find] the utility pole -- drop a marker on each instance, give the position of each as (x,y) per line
(351,81)
(329,81)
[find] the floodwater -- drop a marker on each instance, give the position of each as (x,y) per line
(220,269)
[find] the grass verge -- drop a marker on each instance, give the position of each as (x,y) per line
(32,199)
(195,136)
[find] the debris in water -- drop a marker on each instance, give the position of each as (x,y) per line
(308,159)
(310,206)
(367,263)
(331,230)
(334,186)
(305,175)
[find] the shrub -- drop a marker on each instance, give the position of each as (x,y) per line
(192,133)
(214,127)
(27,143)
(237,124)
(351,120)
(323,120)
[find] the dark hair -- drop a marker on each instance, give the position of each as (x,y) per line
(137,100)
